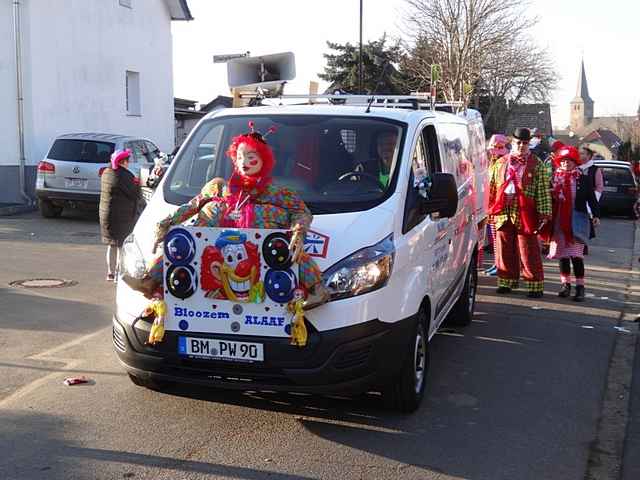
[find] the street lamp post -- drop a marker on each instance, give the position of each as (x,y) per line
(360,81)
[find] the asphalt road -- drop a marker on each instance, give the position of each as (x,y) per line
(515,395)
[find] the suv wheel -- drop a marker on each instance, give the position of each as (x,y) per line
(48,209)
(462,312)
(406,391)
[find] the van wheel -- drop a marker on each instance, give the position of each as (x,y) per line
(147,382)
(406,391)
(48,209)
(462,312)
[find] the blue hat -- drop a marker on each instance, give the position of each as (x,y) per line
(230,237)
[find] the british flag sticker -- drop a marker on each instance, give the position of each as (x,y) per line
(316,244)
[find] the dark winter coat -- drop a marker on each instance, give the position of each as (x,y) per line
(585,194)
(119,197)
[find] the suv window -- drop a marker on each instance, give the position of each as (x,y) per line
(85,151)
(137,151)
(336,164)
(617,176)
(152,151)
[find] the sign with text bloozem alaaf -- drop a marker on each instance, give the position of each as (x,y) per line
(229,281)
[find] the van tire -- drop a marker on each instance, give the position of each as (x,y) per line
(462,312)
(48,209)
(147,382)
(404,394)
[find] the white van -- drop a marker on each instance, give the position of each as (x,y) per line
(398,249)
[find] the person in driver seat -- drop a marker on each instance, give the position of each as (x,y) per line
(380,165)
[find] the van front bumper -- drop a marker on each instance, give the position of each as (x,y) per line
(347,360)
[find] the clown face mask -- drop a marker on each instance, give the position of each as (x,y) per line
(248,161)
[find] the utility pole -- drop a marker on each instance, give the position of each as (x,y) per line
(360,80)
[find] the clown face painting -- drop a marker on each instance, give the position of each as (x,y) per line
(231,269)
(248,160)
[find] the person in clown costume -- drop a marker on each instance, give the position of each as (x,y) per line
(248,200)
(519,206)
(497,149)
(574,199)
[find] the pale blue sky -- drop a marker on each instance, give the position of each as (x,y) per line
(607,32)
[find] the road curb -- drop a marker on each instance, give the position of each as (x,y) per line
(606,452)
(16,209)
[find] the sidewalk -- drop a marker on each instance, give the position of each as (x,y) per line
(631,458)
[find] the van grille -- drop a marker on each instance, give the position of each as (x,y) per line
(118,340)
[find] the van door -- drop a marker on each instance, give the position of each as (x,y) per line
(457,161)
(427,236)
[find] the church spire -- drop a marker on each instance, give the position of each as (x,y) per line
(581,105)
(583,89)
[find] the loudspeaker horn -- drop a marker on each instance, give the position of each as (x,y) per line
(265,72)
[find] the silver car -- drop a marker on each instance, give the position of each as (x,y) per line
(70,173)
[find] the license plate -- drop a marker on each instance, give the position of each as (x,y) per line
(220,349)
(75,183)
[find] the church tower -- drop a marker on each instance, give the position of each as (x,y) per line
(581,105)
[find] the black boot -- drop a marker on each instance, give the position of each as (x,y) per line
(579,296)
(565,291)
(503,290)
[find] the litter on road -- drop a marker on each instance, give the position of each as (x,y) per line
(76,381)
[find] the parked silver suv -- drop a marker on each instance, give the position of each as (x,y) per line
(70,173)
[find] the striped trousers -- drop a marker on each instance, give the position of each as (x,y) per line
(518,254)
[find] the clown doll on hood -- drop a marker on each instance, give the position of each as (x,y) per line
(574,199)
(248,200)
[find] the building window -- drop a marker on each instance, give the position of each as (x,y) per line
(126,3)
(132,93)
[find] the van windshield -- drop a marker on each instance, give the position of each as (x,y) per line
(336,164)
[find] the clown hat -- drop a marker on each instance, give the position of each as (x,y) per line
(230,237)
(569,153)
(498,145)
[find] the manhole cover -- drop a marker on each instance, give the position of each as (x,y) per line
(43,283)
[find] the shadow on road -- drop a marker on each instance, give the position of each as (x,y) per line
(497,403)
(39,449)
(26,311)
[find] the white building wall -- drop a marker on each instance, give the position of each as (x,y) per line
(78,52)
(8,105)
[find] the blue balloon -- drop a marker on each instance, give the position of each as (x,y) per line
(179,247)
(279,285)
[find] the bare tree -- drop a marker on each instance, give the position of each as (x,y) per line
(481,45)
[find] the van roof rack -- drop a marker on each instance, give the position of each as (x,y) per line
(416,101)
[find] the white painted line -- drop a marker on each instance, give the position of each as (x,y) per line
(69,365)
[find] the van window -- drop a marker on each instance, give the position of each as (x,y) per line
(337,164)
(455,158)
(84,151)
(425,161)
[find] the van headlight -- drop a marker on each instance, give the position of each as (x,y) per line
(364,271)
(132,261)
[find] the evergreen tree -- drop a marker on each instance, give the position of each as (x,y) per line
(380,74)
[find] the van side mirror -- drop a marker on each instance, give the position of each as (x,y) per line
(442,197)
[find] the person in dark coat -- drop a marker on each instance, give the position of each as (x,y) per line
(573,198)
(119,197)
